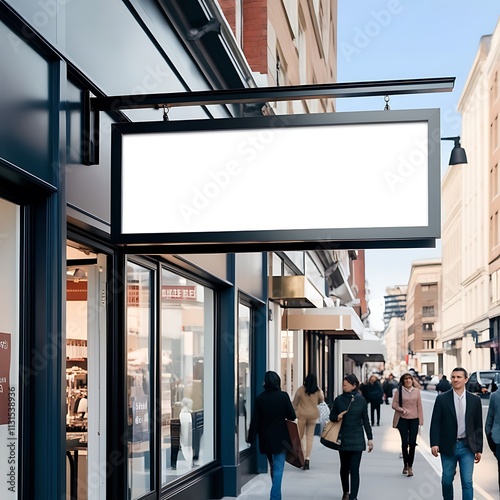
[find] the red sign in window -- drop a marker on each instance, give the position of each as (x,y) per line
(180,292)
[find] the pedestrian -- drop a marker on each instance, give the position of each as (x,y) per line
(492,428)
(443,385)
(408,415)
(374,395)
(271,408)
(388,386)
(456,434)
(355,424)
(305,403)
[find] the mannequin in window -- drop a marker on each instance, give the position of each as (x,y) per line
(186,429)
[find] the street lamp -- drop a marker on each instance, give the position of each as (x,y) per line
(458,155)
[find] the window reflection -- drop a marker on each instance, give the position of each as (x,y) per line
(138,377)
(187,380)
(243,375)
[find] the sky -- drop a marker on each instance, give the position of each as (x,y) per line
(401,39)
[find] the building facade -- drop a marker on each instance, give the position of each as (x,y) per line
(491,71)
(423,316)
(470,224)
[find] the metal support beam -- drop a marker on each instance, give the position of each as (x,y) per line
(270,94)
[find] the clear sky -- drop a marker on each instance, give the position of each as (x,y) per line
(400,39)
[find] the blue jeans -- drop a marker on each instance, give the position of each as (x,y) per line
(277,464)
(465,458)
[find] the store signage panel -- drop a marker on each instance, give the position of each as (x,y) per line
(5,354)
(341,176)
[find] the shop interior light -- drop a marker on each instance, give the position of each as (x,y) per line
(458,155)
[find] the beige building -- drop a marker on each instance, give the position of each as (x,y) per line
(423,316)
(491,71)
(394,342)
(470,221)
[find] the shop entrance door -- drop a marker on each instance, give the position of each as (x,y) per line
(85,374)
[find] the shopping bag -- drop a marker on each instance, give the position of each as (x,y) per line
(295,455)
(330,437)
(324,414)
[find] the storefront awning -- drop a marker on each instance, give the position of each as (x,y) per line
(342,322)
(295,291)
(370,349)
(359,359)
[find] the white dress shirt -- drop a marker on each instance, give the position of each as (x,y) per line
(460,406)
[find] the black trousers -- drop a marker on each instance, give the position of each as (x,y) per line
(349,467)
(375,407)
(408,429)
(497,455)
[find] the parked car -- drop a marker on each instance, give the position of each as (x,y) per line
(483,382)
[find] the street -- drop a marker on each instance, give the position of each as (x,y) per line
(485,473)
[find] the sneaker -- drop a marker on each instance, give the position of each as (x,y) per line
(405,470)
(410,472)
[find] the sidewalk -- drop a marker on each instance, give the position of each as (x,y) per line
(381,473)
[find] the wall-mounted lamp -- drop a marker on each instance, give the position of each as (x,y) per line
(458,155)
(473,333)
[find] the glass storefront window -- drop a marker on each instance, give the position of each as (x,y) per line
(139,331)
(187,375)
(244,396)
(9,349)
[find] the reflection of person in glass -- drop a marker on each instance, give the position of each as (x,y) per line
(186,429)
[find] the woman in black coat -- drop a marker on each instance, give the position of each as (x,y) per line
(351,408)
(271,408)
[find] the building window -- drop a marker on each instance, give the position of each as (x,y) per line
(494,181)
(427,311)
(494,134)
(428,344)
(139,357)
(302,47)
(427,327)
(187,375)
(495,229)
(244,373)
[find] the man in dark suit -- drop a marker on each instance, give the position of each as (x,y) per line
(457,434)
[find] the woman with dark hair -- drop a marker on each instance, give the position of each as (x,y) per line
(352,409)
(271,408)
(408,415)
(305,403)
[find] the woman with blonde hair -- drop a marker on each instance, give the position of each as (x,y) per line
(305,404)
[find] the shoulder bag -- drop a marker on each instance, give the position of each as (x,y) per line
(330,437)
(397,414)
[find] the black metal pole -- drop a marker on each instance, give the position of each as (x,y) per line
(266,94)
